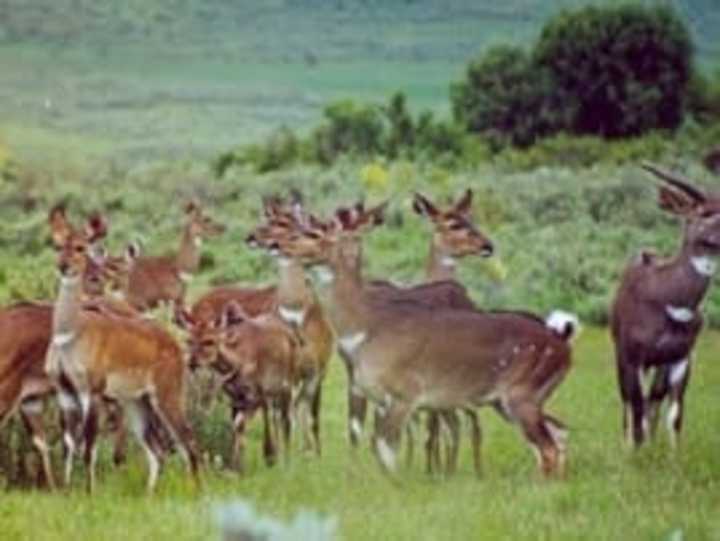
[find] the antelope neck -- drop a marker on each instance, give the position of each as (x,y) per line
(293,291)
(441,266)
(67,305)
(188,258)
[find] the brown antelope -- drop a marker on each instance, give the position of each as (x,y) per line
(156,279)
(407,355)
(256,358)
(454,236)
(656,318)
(25,330)
(97,354)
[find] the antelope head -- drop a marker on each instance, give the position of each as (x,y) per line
(200,225)
(455,234)
(699,210)
(77,249)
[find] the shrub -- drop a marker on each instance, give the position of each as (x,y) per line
(622,70)
(349,128)
(505,96)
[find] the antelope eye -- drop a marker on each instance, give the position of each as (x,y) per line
(79,249)
(708,213)
(457,226)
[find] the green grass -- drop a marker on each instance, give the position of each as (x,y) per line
(609,492)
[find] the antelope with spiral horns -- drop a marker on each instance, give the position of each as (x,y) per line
(655,317)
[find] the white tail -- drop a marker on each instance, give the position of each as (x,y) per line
(566,324)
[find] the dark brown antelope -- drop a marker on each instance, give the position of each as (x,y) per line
(656,317)
(95,354)
(256,359)
(407,355)
(157,279)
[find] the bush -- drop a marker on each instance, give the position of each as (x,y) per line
(505,96)
(349,128)
(622,70)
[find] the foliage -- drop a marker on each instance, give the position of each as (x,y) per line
(622,69)
(505,96)
(348,128)
(704,98)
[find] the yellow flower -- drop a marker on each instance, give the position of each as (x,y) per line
(374,177)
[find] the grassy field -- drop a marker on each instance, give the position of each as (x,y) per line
(609,492)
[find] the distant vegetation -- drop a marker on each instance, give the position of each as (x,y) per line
(607,72)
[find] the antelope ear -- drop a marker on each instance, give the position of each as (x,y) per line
(271,205)
(376,215)
(232,314)
(344,218)
(423,206)
(191,207)
(183,318)
(60,228)
(96,228)
(464,204)
(676,202)
(132,251)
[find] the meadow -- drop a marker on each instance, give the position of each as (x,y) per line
(609,492)
(122,106)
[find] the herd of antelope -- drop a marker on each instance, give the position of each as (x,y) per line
(411,351)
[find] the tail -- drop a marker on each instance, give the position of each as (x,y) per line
(564,324)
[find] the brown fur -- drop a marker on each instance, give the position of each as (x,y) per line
(157,279)
(646,336)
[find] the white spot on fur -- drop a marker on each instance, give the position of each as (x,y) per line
(85,405)
(673,414)
(356,427)
(186,277)
(563,323)
(351,342)
(677,372)
(198,242)
(680,313)
(62,339)
(448,262)
(704,265)
(239,420)
(283,262)
(66,401)
(292,315)
(386,454)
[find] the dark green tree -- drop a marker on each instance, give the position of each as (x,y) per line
(505,96)
(621,70)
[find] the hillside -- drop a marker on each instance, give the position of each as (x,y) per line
(172,78)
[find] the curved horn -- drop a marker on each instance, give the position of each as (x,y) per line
(678,181)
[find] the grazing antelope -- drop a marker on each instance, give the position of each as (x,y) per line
(655,317)
(156,279)
(407,355)
(256,358)
(96,354)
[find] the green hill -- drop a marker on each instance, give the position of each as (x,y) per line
(171,77)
